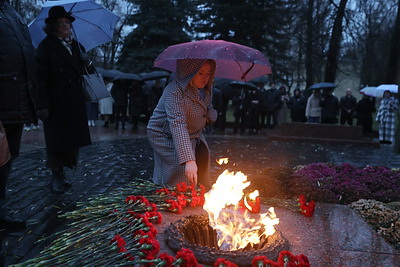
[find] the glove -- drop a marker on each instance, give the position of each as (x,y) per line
(85,59)
(42,114)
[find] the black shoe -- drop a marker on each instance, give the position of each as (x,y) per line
(11,224)
(65,182)
(56,183)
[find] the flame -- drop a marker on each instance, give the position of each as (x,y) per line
(222,161)
(236,228)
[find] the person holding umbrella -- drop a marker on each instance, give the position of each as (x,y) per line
(60,64)
(175,129)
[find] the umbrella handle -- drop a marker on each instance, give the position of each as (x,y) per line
(247,71)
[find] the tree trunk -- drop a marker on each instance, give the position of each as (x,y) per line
(392,72)
(309,44)
(334,44)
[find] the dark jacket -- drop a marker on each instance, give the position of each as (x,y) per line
(60,90)
(348,102)
(365,107)
(297,106)
(17,88)
(120,93)
(273,100)
(330,107)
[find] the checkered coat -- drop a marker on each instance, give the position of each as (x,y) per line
(386,117)
(177,124)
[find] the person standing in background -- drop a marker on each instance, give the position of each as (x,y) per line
(313,109)
(106,104)
(60,64)
(273,103)
(386,117)
(136,103)
(17,96)
(282,111)
(297,105)
(365,107)
(120,94)
(330,107)
(347,106)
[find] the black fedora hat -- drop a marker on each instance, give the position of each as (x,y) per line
(58,12)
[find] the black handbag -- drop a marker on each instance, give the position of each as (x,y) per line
(5,154)
(94,87)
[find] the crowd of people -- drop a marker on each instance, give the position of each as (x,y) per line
(258,108)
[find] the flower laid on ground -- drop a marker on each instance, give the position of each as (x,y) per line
(118,229)
(306,208)
(221,262)
(285,258)
(181,196)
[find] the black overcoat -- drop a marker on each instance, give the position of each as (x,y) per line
(60,90)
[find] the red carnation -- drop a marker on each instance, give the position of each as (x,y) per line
(286,257)
(187,258)
(182,200)
(221,262)
(259,261)
(163,191)
(181,187)
(169,260)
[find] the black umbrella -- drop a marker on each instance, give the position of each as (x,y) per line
(154,75)
(245,85)
(262,79)
(322,86)
(108,73)
(224,86)
(128,76)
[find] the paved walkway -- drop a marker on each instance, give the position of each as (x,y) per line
(117,157)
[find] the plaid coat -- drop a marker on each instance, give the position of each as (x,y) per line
(176,126)
(386,117)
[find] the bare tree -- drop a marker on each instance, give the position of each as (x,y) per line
(392,73)
(334,44)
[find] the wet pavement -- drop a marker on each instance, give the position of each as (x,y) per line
(117,157)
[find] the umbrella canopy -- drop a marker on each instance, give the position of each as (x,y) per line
(371,91)
(262,79)
(225,87)
(394,88)
(128,76)
(154,75)
(94,25)
(322,86)
(244,85)
(234,61)
(108,73)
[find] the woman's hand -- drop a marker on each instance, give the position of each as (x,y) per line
(191,171)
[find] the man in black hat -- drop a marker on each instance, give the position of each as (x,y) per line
(16,95)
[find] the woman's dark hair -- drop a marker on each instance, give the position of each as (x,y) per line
(390,93)
(50,27)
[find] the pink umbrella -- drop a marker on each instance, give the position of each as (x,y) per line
(234,61)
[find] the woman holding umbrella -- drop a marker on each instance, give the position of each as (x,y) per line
(175,129)
(60,64)
(386,117)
